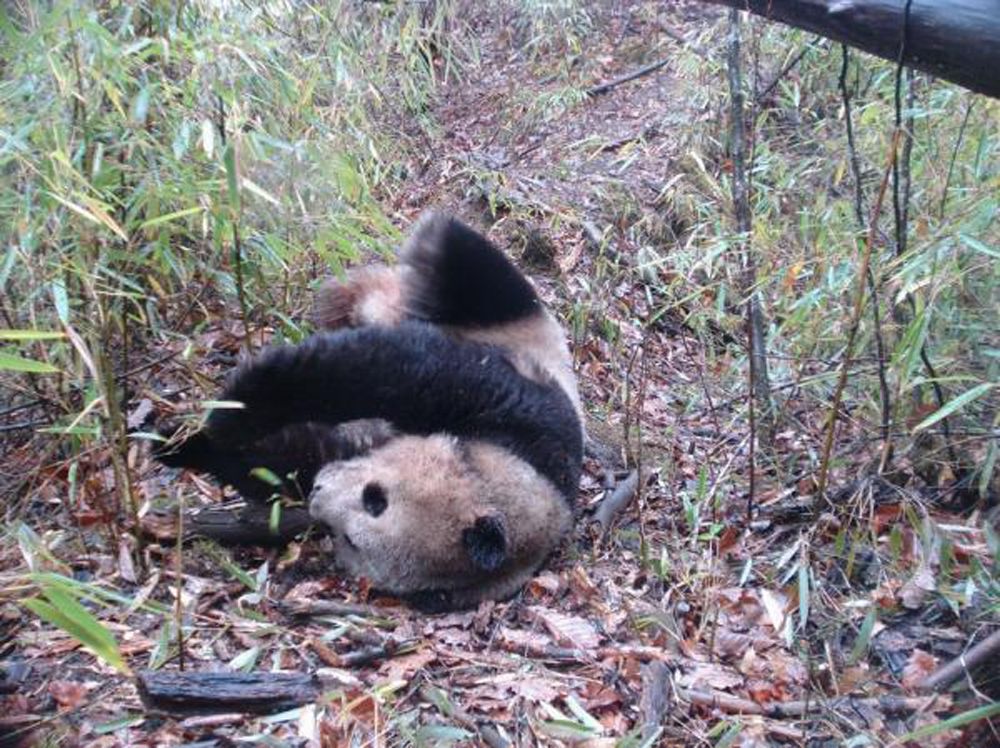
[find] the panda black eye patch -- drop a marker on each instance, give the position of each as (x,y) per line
(373,499)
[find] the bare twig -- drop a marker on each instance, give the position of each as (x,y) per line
(954,155)
(859,214)
(947,674)
(859,303)
(778,710)
(787,69)
(761,412)
(615,501)
(645,70)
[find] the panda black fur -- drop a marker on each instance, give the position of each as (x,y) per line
(461,384)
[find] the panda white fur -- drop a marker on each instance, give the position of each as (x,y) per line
(436,426)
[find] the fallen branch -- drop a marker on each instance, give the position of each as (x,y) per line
(330,608)
(656,699)
(249,527)
(964,664)
(552,653)
(779,710)
(616,501)
(203,693)
(646,70)
(785,70)
(952,39)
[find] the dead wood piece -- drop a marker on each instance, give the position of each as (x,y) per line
(953,39)
(645,70)
(331,608)
(656,697)
(968,661)
(540,650)
(616,501)
(249,527)
(778,710)
(208,693)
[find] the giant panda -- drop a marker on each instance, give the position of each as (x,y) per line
(434,424)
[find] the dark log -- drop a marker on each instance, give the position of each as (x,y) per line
(206,693)
(252,526)
(958,40)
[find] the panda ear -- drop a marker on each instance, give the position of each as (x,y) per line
(486,542)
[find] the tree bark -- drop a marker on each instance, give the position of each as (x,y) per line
(207,693)
(958,40)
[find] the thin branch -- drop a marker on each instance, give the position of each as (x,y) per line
(787,69)
(859,303)
(947,674)
(759,387)
(954,155)
(645,70)
(616,500)
(859,214)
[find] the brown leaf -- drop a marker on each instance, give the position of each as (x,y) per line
(919,665)
(568,631)
(544,585)
(403,667)
(915,590)
(68,694)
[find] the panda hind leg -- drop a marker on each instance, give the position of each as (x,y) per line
(455,277)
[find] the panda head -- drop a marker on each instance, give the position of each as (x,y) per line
(440,521)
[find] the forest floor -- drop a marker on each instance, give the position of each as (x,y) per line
(687,624)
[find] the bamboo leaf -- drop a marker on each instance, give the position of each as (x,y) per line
(65,612)
(959,720)
(170,217)
(10,362)
(978,246)
(864,637)
(955,404)
(61,301)
(31,335)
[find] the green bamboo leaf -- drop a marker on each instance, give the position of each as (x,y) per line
(170,217)
(266,475)
(978,246)
(864,637)
(440,734)
(31,335)
(959,720)
(61,301)
(66,613)
(10,362)
(140,107)
(955,404)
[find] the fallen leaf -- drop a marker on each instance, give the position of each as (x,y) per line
(68,694)
(568,631)
(404,666)
(919,665)
(914,592)
(774,603)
